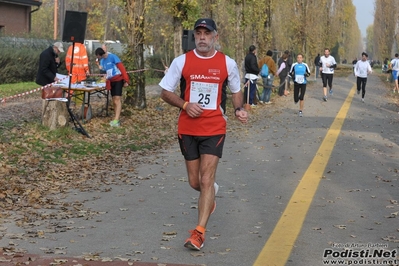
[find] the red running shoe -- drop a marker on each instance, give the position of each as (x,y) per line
(195,241)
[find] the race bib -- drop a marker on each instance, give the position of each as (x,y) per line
(206,94)
(300,79)
(109,73)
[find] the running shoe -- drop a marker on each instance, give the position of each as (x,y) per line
(331,92)
(363,100)
(115,123)
(216,186)
(195,241)
(325,98)
(300,114)
(358,92)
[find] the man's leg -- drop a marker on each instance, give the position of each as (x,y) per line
(201,175)
(330,80)
(116,92)
(324,78)
(117,106)
(364,81)
(252,93)
(358,84)
(301,98)
(268,92)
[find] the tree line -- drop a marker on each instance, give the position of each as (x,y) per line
(300,26)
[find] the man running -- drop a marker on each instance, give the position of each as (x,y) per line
(362,69)
(203,74)
(327,65)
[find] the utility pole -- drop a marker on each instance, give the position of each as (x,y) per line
(107,20)
(55,19)
(61,7)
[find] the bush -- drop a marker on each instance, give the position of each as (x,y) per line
(20,65)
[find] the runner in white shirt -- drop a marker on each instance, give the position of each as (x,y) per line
(327,65)
(362,69)
(395,70)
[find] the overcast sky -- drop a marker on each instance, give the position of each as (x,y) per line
(364,14)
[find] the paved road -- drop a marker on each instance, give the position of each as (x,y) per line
(355,198)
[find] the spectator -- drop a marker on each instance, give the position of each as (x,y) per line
(282,73)
(395,69)
(268,81)
(48,64)
(316,66)
(251,75)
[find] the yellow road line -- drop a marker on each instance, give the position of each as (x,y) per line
(280,243)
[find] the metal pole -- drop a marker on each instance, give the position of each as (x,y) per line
(55,19)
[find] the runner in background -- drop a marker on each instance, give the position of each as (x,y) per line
(327,66)
(362,69)
(299,72)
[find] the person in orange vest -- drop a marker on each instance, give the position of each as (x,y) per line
(80,62)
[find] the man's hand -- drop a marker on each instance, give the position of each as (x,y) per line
(242,115)
(194,110)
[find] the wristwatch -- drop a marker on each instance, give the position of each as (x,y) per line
(238,109)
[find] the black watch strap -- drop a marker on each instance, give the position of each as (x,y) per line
(238,109)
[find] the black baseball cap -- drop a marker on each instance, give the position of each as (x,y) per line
(206,23)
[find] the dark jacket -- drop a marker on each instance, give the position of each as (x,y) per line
(251,64)
(317,60)
(47,67)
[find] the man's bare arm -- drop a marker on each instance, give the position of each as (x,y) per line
(238,99)
(239,112)
(172,98)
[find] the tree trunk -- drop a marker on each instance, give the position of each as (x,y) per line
(55,114)
(135,10)
(177,37)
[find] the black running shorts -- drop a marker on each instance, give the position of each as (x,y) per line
(116,88)
(193,146)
